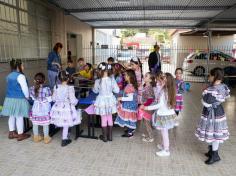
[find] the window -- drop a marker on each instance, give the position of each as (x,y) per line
(201,56)
(26,38)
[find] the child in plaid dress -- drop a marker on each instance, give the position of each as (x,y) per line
(41,108)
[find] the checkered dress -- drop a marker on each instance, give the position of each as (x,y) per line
(41,107)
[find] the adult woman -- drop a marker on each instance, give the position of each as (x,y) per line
(54,64)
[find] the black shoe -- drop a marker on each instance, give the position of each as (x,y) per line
(209,153)
(129,135)
(65,142)
(213,158)
(109,134)
(103,137)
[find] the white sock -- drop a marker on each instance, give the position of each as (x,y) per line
(12,123)
(215,145)
(20,125)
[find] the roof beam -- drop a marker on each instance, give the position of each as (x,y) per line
(144,19)
(146,26)
(135,8)
(216,17)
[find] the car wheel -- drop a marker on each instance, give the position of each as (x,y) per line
(199,71)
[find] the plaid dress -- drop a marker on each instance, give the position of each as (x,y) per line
(179,95)
(213,125)
(148,97)
(41,107)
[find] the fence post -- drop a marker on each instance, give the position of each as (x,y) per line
(93,45)
(209,52)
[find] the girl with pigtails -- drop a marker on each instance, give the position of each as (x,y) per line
(105,104)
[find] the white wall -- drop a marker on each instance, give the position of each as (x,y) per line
(199,42)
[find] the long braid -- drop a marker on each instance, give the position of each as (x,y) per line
(39,79)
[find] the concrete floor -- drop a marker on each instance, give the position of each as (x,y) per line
(124,157)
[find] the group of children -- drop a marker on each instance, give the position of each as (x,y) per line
(154,103)
(120,91)
(16,105)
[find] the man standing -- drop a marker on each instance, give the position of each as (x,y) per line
(154,60)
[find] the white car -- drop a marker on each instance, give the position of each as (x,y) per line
(196,63)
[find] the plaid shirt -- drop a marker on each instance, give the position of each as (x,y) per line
(44,92)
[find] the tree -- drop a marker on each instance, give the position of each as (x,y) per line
(160,35)
(128,32)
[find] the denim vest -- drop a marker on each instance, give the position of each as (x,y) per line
(53,57)
(13,87)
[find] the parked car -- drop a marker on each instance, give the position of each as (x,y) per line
(125,55)
(230,76)
(196,62)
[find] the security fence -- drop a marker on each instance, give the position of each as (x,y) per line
(194,61)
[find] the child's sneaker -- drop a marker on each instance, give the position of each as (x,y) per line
(37,138)
(47,139)
(163,153)
(143,135)
(147,139)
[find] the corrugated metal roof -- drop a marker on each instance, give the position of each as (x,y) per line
(151,13)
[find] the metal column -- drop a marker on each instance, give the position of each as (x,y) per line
(93,45)
(209,47)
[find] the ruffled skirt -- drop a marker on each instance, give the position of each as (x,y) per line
(179,106)
(105,105)
(210,130)
(17,107)
(163,122)
(64,114)
(40,114)
(126,117)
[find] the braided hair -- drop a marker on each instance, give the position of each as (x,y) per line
(39,79)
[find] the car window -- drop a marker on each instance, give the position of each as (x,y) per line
(214,56)
(125,54)
(224,57)
(201,56)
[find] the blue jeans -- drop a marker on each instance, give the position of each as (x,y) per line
(52,78)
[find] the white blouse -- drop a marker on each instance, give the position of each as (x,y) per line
(162,107)
(23,84)
(106,86)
